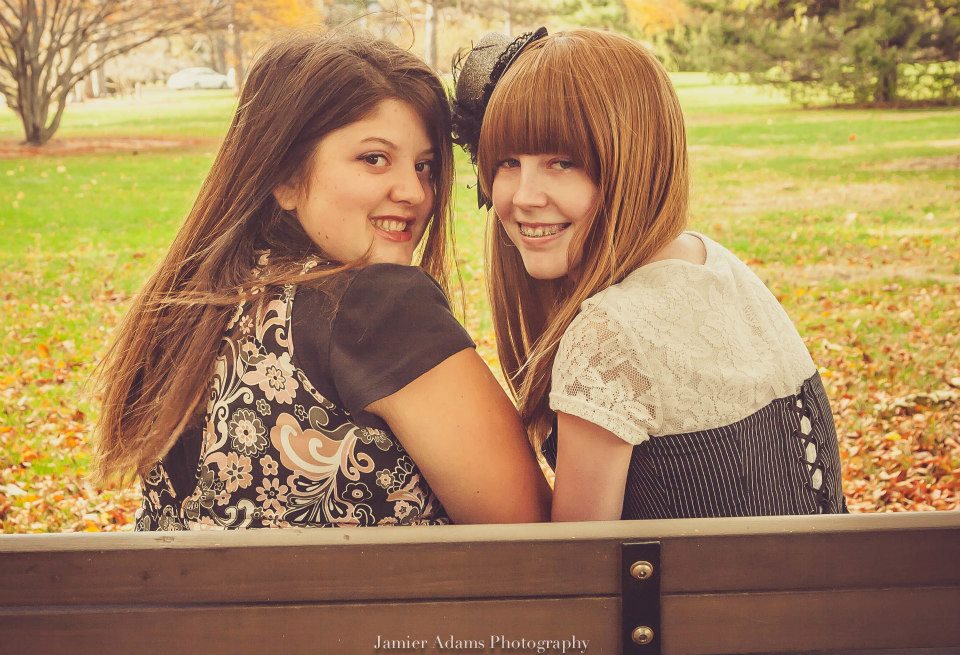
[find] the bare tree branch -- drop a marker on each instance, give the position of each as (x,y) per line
(41,42)
(6,38)
(10,7)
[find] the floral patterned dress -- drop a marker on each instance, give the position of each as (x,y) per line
(274,451)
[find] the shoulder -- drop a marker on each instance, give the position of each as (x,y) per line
(689,247)
(615,309)
(397,298)
(616,314)
(721,259)
(739,280)
(371,286)
(597,314)
(601,375)
(696,271)
(392,325)
(392,283)
(393,275)
(596,338)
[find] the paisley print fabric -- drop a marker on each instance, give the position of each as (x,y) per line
(274,452)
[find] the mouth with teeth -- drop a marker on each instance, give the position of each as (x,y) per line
(541,231)
(393,229)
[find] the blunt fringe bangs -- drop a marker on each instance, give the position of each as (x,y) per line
(548,116)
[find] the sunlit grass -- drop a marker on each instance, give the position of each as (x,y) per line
(851,217)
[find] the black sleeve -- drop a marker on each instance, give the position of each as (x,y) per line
(393,325)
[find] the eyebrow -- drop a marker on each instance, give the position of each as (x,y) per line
(392,145)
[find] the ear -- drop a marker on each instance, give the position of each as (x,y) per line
(286,196)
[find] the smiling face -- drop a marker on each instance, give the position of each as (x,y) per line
(543,202)
(369,188)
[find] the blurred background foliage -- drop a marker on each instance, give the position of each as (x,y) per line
(848,52)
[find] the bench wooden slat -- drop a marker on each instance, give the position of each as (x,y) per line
(527,533)
(891,557)
(718,624)
(326,567)
(311,573)
(308,629)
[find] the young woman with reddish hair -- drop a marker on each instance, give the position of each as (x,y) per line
(656,371)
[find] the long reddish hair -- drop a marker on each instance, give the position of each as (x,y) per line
(606,102)
(304,85)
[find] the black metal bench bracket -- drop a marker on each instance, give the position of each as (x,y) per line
(640,598)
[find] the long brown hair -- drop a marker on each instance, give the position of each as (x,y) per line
(606,102)
(304,85)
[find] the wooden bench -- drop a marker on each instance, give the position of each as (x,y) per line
(887,582)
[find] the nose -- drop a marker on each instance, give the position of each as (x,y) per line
(529,193)
(409,187)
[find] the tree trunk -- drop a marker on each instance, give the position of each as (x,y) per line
(886,83)
(51,128)
(430,34)
(33,129)
(218,52)
(93,83)
(237,49)
(34,107)
(237,60)
(36,126)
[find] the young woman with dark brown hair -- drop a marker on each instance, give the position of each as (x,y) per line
(286,365)
(659,375)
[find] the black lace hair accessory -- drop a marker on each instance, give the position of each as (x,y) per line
(476,73)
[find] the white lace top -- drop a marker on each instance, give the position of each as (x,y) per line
(678,347)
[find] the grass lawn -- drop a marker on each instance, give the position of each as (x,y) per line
(851,217)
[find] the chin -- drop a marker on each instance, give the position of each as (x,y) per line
(540,271)
(402,261)
(401,258)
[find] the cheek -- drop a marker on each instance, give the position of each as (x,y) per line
(502,195)
(585,209)
(581,200)
(429,196)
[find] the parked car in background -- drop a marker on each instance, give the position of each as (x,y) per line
(198,78)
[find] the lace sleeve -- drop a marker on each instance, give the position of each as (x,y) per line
(598,376)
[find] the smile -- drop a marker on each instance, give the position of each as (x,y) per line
(393,228)
(536,231)
(389,225)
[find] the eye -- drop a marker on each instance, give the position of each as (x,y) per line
(377,159)
(563,164)
(425,166)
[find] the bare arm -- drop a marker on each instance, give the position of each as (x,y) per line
(592,465)
(464,434)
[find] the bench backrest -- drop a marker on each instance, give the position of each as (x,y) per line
(779,584)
